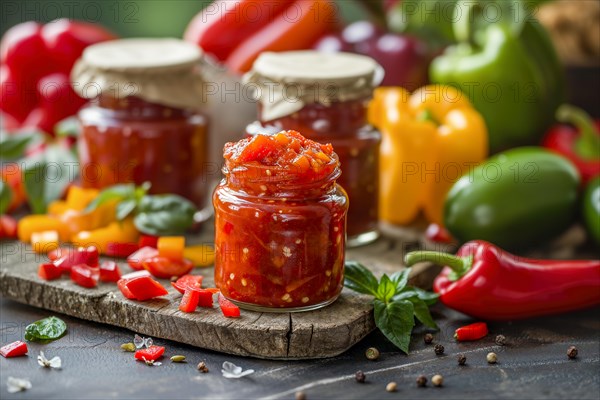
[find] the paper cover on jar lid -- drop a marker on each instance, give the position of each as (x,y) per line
(164,71)
(284,82)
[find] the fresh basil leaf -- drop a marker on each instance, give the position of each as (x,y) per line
(166,214)
(125,208)
(427,297)
(396,321)
(125,191)
(359,278)
(422,312)
(386,289)
(6,195)
(13,146)
(47,176)
(400,279)
(50,328)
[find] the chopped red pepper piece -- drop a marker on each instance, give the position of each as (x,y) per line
(163,267)
(8,227)
(84,275)
(206,298)
(151,353)
(148,241)
(115,249)
(122,283)
(82,255)
(474,331)
(192,281)
(189,301)
(437,233)
(14,349)
(49,271)
(145,288)
(228,309)
(109,272)
(136,259)
(212,289)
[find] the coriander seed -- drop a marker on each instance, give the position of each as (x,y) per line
(391,387)
(428,338)
(372,353)
(202,367)
(300,396)
(492,358)
(422,381)
(572,352)
(500,340)
(129,347)
(437,380)
(462,359)
(360,377)
(178,359)
(438,349)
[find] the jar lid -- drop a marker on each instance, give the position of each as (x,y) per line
(164,71)
(286,81)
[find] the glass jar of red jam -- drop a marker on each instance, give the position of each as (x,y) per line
(280,224)
(143,123)
(325,96)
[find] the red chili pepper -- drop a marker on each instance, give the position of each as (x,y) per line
(187,281)
(474,331)
(486,282)
(581,145)
(148,241)
(49,271)
(228,309)
(14,349)
(114,249)
(84,276)
(109,272)
(151,353)
(136,259)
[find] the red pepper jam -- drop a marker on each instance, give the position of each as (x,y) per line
(280,223)
(132,140)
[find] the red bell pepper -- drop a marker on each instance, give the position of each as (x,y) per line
(236,32)
(109,272)
(228,309)
(14,349)
(121,283)
(486,282)
(81,255)
(166,268)
(581,145)
(114,249)
(148,241)
(151,353)
(136,259)
(474,331)
(8,227)
(187,281)
(189,301)
(49,271)
(437,233)
(85,276)
(143,288)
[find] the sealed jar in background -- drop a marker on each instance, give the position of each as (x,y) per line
(280,221)
(144,121)
(325,96)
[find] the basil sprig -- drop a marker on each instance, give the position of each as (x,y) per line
(396,303)
(46,329)
(159,215)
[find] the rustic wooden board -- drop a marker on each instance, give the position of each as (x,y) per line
(315,334)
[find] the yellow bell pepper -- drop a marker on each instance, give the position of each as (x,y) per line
(115,232)
(429,140)
(44,242)
(78,198)
(171,247)
(200,255)
(40,223)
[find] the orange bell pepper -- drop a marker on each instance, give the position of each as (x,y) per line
(44,242)
(429,140)
(200,255)
(40,223)
(115,232)
(78,198)
(171,247)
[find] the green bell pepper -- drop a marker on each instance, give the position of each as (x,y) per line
(508,68)
(517,199)
(591,208)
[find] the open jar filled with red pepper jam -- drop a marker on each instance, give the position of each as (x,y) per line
(280,224)
(325,96)
(143,123)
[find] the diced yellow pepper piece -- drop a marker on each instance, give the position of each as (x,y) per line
(79,198)
(116,232)
(57,207)
(171,247)
(40,223)
(44,242)
(200,255)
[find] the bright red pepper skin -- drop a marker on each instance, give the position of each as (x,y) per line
(109,272)
(228,309)
(49,271)
(151,353)
(136,259)
(501,286)
(114,249)
(187,281)
(85,276)
(14,349)
(82,255)
(166,268)
(148,241)
(470,332)
(144,288)
(189,301)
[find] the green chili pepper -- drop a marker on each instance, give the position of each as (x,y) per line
(591,208)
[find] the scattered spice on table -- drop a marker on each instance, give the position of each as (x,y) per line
(422,381)
(178,359)
(428,338)
(391,387)
(462,359)
(438,349)
(15,385)
(372,353)
(54,362)
(437,380)
(492,358)
(300,396)
(128,347)
(572,352)
(500,340)
(202,367)
(360,377)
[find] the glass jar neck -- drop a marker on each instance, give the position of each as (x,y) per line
(138,107)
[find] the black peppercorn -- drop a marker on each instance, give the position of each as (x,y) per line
(360,377)
(422,381)
(439,349)
(462,359)
(428,338)
(500,340)
(572,352)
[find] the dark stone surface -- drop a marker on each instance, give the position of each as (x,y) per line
(533,365)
